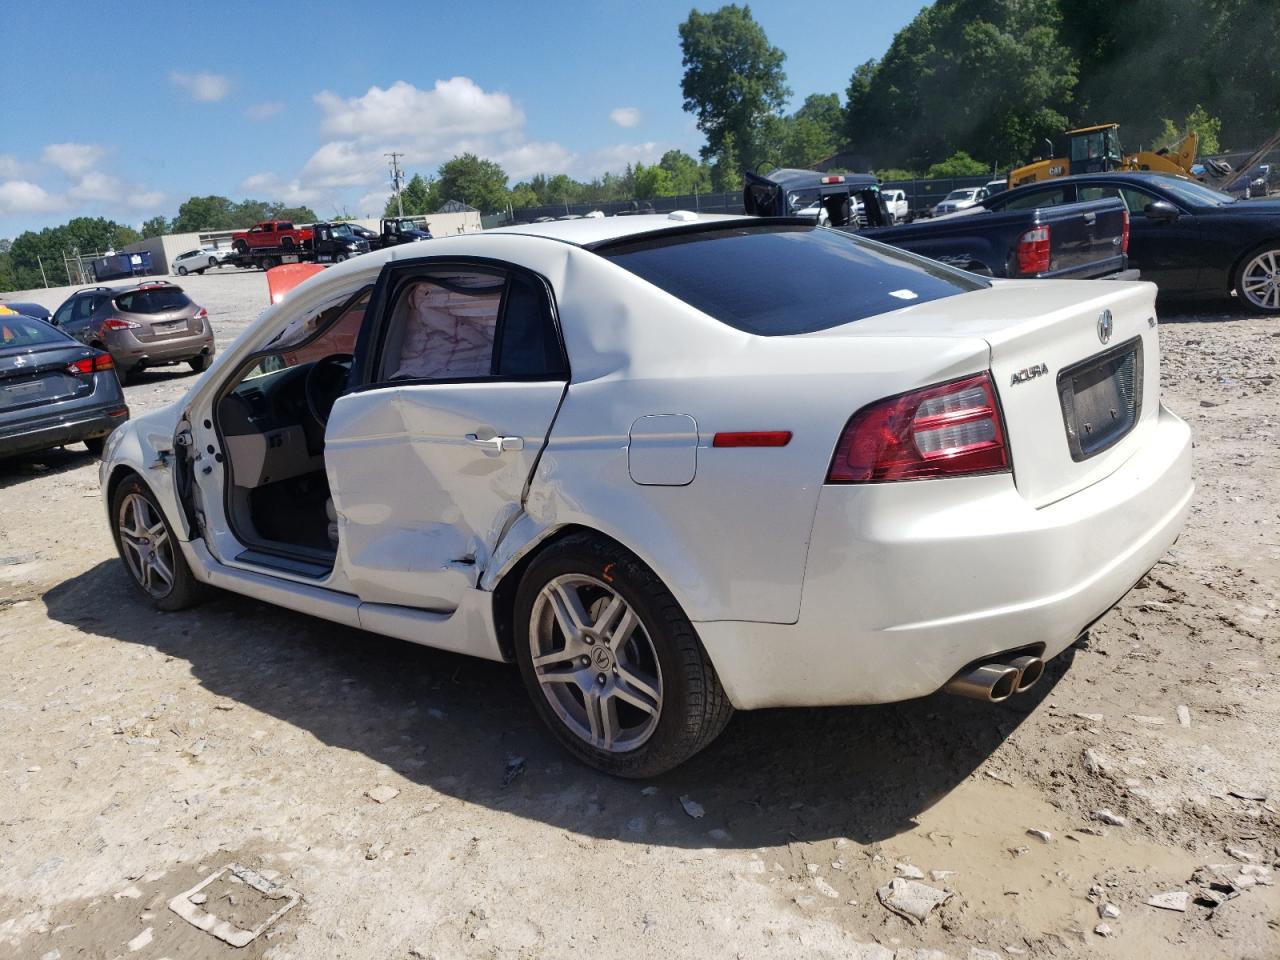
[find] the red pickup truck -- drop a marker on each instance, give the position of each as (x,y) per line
(269,234)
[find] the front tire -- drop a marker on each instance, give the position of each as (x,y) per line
(182,271)
(612,664)
(1257,279)
(149,550)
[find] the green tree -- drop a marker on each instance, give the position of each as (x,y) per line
(420,195)
(123,235)
(82,235)
(653,181)
(733,81)
(687,174)
(990,77)
(155,227)
(1198,120)
(480,183)
(959,164)
(204,213)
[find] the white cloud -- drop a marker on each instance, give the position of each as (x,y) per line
(10,168)
(264,111)
(23,196)
(450,110)
(372,203)
(625,116)
(96,186)
(73,158)
(614,158)
(205,87)
(526,159)
(268,186)
(145,199)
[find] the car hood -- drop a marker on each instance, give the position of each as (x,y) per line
(1253,208)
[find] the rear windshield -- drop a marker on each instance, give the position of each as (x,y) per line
(774,279)
(153,301)
(18,331)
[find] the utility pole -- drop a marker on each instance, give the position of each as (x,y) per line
(397,178)
(43,278)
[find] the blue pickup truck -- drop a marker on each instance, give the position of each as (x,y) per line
(1074,240)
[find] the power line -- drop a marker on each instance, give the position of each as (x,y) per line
(397,179)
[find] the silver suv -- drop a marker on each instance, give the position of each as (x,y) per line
(150,324)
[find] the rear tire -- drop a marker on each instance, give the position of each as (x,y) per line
(149,550)
(95,445)
(635,694)
(199,364)
(269,263)
(1257,279)
(213,262)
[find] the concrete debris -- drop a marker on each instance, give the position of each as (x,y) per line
(382,793)
(908,871)
(1044,836)
(1245,793)
(1095,762)
(1147,721)
(693,808)
(513,766)
(1108,911)
(1109,818)
(911,899)
(937,876)
(1091,717)
(54,954)
(1154,606)
(141,940)
(1184,716)
(1103,930)
(224,930)
(197,747)
(1239,853)
(1175,900)
(826,889)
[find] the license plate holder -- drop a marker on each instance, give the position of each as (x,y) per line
(1101,399)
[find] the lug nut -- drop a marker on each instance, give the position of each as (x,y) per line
(600,679)
(585,661)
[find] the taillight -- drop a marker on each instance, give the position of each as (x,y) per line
(202,314)
(115,323)
(1124,233)
(943,431)
(1033,250)
(94,364)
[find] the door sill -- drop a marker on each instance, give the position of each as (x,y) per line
(312,569)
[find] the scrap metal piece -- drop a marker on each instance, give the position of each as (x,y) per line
(184,906)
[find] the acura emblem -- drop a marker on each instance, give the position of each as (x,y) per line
(1106,326)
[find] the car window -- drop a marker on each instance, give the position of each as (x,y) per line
(63,314)
(20,331)
(1051,197)
(82,308)
(1135,200)
(1195,194)
(776,280)
(443,328)
(333,330)
(153,301)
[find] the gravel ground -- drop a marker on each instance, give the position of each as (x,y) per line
(141,752)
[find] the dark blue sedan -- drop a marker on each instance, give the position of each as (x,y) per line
(54,390)
(28,309)
(1191,240)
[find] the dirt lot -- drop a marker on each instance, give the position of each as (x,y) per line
(141,752)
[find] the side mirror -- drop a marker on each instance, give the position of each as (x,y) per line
(1160,210)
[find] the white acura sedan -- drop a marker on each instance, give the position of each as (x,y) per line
(673,466)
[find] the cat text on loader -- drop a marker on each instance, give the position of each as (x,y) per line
(1097,150)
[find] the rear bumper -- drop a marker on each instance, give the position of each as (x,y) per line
(906,583)
(1111,268)
(128,351)
(67,428)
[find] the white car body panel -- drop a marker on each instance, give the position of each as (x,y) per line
(802,592)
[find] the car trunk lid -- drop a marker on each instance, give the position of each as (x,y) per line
(162,313)
(1075,407)
(39,377)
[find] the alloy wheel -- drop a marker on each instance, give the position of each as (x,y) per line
(1260,280)
(595,663)
(146,545)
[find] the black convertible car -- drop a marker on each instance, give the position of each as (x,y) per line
(54,390)
(1190,239)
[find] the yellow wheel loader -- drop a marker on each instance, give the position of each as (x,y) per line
(1097,150)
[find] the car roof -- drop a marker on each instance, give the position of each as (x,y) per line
(1147,176)
(594,230)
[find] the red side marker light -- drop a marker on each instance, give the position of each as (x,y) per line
(753,438)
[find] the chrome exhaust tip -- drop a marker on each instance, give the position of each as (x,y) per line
(992,682)
(1030,670)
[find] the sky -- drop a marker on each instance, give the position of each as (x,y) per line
(105,113)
